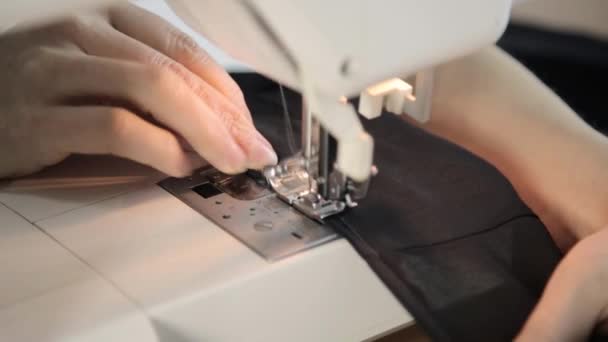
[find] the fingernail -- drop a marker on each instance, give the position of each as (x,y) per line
(263,140)
(262,155)
(274,159)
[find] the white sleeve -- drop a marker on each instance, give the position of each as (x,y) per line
(161,8)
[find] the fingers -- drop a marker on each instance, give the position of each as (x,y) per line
(101,39)
(115,44)
(229,144)
(103,130)
(179,99)
(175,44)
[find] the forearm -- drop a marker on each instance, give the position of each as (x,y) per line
(574,302)
(493,106)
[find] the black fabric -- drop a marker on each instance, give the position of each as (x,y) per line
(443,229)
(574,65)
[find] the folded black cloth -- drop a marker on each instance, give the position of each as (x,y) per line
(443,229)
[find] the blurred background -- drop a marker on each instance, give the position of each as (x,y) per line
(565,43)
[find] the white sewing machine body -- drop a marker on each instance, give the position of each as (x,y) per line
(94,250)
(345,46)
(92,254)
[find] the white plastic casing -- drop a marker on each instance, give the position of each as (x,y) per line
(391,94)
(399,97)
(345,45)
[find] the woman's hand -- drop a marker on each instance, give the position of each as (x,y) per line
(575,301)
(122,82)
(493,106)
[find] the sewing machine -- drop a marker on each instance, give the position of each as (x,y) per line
(330,53)
(160,270)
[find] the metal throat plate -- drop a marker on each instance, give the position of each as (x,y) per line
(244,207)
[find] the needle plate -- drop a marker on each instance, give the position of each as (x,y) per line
(243,206)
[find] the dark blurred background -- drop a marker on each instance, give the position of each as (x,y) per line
(565,43)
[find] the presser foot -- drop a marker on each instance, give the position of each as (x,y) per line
(295,184)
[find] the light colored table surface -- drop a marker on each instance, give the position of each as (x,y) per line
(94,248)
